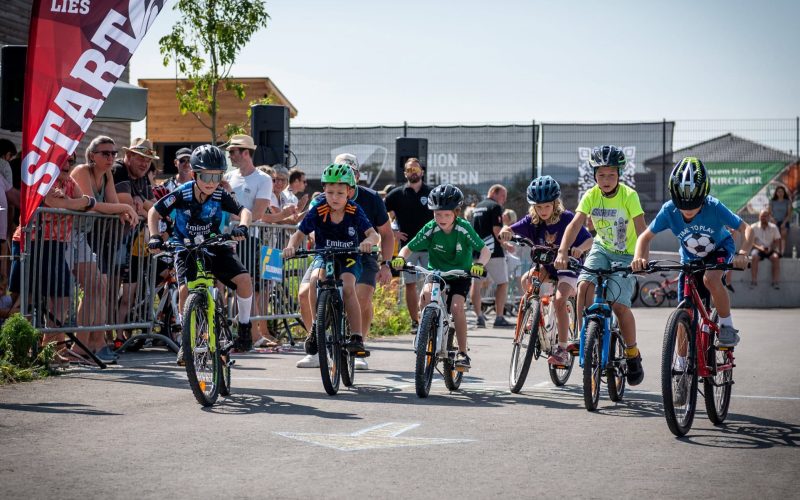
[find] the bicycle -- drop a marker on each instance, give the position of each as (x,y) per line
(206,335)
(602,350)
(435,340)
(336,362)
(536,332)
(690,351)
(653,293)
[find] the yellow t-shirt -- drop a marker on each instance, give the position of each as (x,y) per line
(613,217)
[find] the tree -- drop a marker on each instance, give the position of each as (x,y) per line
(203,45)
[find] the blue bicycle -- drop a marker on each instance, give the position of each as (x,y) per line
(602,351)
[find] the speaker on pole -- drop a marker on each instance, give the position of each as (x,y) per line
(269,126)
(408,147)
(12,86)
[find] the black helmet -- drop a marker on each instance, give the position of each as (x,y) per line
(208,157)
(445,197)
(689,184)
(607,156)
(543,190)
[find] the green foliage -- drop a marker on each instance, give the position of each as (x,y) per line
(20,359)
(390,316)
(203,45)
(241,128)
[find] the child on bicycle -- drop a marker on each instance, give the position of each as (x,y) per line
(197,208)
(698,220)
(618,218)
(337,222)
(449,241)
(544,225)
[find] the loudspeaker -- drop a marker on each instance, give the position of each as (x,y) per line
(12,86)
(405,148)
(269,126)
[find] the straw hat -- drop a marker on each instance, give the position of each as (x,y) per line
(241,141)
(142,147)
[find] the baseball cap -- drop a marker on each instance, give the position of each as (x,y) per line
(182,153)
(347,159)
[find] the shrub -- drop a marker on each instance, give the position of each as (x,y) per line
(20,358)
(390,314)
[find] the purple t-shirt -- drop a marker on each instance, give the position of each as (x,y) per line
(550,235)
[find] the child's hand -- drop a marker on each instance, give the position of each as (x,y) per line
(576,252)
(562,261)
(741,261)
(505,234)
(288,252)
(638,264)
(398,263)
(365,246)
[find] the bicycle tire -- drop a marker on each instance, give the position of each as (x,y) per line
(452,377)
(348,361)
(679,416)
(224,338)
(426,353)
(559,376)
(202,365)
(528,339)
(717,389)
(615,373)
(591,364)
(329,340)
(651,294)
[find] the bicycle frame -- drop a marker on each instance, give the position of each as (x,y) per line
(438,302)
(599,310)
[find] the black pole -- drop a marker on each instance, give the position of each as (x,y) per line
(405,129)
(533,143)
(664,160)
(797,138)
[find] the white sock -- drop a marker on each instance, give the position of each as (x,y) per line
(563,345)
(680,363)
(726,321)
(244,308)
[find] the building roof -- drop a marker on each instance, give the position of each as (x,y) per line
(728,148)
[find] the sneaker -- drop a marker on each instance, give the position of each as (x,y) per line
(264,342)
(309,361)
(179,359)
(107,356)
(502,321)
(728,336)
(361,364)
(462,361)
(680,384)
(481,322)
(244,338)
(356,346)
(310,345)
(635,373)
(559,357)
(574,348)
(414,326)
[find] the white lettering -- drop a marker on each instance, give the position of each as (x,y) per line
(55,6)
(72,6)
(108,30)
(49,130)
(94,78)
(31,178)
(85,6)
(76,104)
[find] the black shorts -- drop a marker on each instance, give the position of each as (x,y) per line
(458,286)
(765,255)
(222,262)
(249,251)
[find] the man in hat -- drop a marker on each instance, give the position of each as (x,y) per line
(184,169)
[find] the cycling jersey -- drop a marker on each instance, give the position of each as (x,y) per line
(327,234)
(448,251)
(194,220)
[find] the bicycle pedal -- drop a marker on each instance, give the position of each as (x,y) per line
(462,369)
(724,348)
(361,354)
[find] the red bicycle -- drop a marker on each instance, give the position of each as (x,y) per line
(653,293)
(690,352)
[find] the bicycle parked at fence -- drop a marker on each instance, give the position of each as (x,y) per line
(536,332)
(653,293)
(690,352)
(206,334)
(602,350)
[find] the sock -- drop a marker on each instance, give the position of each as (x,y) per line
(244,308)
(680,363)
(727,321)
(631,351)
(353,334)
(562,345)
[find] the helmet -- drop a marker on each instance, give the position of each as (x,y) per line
(689,184)
(208,157)
(337,173)
(607,156)
(543,189)
(445,197)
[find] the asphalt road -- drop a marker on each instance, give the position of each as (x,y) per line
(135,431)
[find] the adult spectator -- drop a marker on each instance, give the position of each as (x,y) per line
(767,241)
(386,190)
(487,219)
(7,152)
(184,169)
(371,271)
(253,190)
(408,206)
(294,191)
(780,207)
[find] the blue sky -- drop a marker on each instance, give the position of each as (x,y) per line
(366,62)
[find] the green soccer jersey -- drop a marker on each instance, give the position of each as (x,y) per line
(613,217)
(448,251)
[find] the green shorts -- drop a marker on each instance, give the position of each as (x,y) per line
(619,289)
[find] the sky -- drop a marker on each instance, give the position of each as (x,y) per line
(470,62)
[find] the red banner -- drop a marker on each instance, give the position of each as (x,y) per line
(77,49)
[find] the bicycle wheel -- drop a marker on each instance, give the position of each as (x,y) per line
(348,361)
(527,331)
(202,362)
(452,377)
(679,373)
(591,364)
(635,294)
(329,340)
(651,294)
(717,389)
(615,374)
(559,375)
(426,352)
(224,344)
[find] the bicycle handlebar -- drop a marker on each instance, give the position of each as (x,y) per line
(453,273)
(218,240)
(330,251)
(616,267)
(691,266)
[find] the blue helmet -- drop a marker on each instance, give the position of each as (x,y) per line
(607,156)
(543,190)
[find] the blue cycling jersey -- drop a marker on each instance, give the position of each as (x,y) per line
(194,220)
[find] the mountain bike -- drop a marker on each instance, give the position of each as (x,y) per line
(653,293)
(602,350)
(336,362)
(206,334)
(536,332)
(435,341)
(690,352)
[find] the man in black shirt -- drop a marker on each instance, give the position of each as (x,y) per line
(487,219)
(408,206)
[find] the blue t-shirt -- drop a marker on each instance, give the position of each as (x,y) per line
(192,219)
(705,233)
(327,234)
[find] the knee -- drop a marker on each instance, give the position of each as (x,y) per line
(302,294)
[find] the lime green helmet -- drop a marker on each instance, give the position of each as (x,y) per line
(338,174)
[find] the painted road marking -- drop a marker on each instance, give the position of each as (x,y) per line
(379,436)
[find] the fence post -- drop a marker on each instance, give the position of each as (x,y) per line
(664,174)
(797,137)
(405,129)
(533,143)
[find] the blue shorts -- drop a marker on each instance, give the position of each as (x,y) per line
(342,264)
(619,289)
